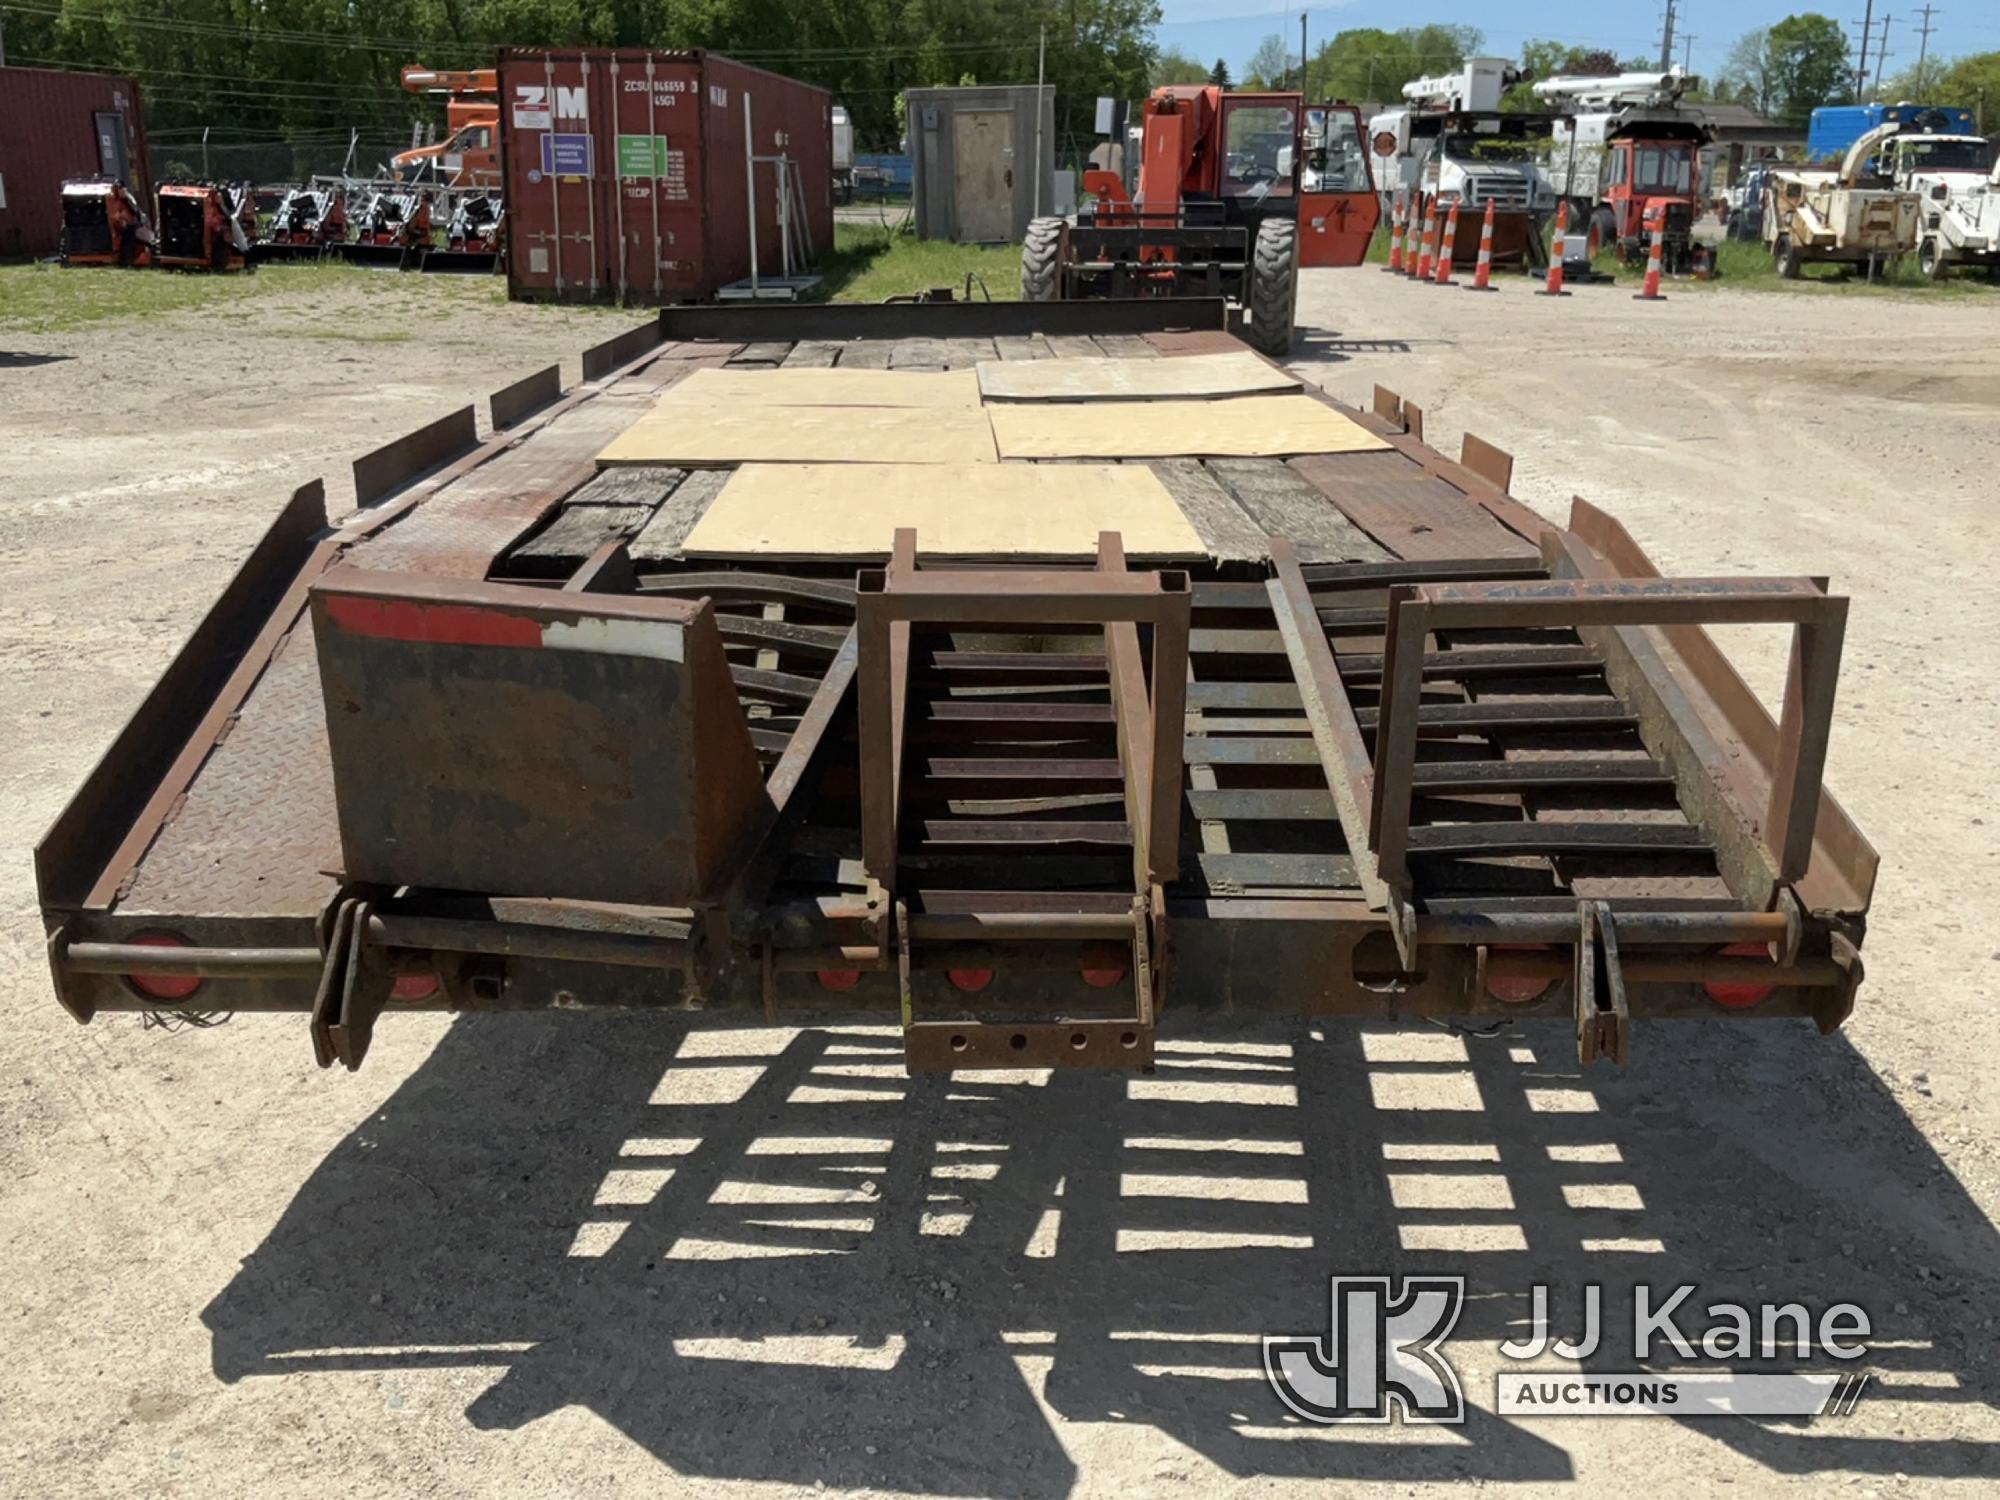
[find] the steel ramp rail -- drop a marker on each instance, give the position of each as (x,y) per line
(1026,723)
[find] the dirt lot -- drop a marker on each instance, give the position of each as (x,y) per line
(528,1256)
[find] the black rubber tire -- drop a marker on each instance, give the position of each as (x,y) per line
(1274,287)
(1041,261)
(1785,258)
(1607,226)
(1931,261)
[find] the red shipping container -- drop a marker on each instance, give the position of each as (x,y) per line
(627,172)
(55,126)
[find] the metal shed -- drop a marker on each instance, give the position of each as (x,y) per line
(56,125)
(973,149)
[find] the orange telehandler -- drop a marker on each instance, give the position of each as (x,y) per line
(469,156)
(1237,191)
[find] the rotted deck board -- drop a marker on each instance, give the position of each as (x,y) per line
(1284,503)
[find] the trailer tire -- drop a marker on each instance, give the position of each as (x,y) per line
(1274,287)
(1931,261)
(1041,261)
(1786,258)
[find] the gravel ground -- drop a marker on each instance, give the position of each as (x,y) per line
(524,1256)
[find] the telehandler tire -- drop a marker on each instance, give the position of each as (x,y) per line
(1041,261)
(1274,287)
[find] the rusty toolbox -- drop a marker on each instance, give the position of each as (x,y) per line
(1392,745)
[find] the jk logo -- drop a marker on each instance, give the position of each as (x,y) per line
(1378,1352)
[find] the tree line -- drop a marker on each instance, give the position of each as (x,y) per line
(302,68)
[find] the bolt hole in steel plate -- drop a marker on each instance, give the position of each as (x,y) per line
(959,1044)
(1738,996)
(1128,1039)
(1018,1042)
(1078,1041)
(169,987)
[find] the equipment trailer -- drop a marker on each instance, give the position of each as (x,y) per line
(1390,746)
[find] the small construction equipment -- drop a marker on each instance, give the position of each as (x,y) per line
(200,229)
(1630,152)
(1958,197)
(1236,192)
(103,224)
(475,236)
(470,155)
(308,221)
(1853,215)
(393,228)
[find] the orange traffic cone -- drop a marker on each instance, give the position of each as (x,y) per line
(1555,284)
(1424,243)
(1652,293)
(1396,219)
(1482,274)
(1448,246)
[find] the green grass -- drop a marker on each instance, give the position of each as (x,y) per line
(870,263)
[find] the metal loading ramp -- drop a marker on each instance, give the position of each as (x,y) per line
(1417,752)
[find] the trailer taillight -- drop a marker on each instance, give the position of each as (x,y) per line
(1736,995)
(838,979)
(413,987)
(969,981)
(1517,989)
(168,987)
(1103,979)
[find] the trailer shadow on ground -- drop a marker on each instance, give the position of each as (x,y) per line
(767,1254)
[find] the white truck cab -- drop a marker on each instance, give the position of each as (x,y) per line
(1958,193)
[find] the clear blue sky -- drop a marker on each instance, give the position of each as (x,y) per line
(1208,29)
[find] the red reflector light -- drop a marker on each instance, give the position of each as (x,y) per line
(969,981)
(1735,995)
(413,987)
(169,987)
(1103,979)
(839,979)
(1517,989)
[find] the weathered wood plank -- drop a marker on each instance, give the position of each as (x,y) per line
(812,353)
(661,539)
(919,354)
(1126,346)
(576,532)
(1284,503)
(1030,346)
(639,484)
(865,354)
(768,353)
(1074,346)
(1228,533)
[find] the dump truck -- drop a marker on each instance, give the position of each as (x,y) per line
(1237,191)
(1851,215)
(748,674)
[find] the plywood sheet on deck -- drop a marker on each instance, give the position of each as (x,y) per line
(711,436)
(974,510)
(1228,427)
(1199,376)
(801,384)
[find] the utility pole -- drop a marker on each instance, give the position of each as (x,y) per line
(1882,51)
(1302,54)
(1923,37)
(1861,70)
(1687,52)
(3,41)
(1041,76)
(1667,40)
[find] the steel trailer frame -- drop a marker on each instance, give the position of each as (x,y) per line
(1516,900)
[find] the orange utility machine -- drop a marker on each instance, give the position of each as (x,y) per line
(469,155)
(1236,192)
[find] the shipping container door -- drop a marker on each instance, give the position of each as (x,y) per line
(656,162)
(553,174)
